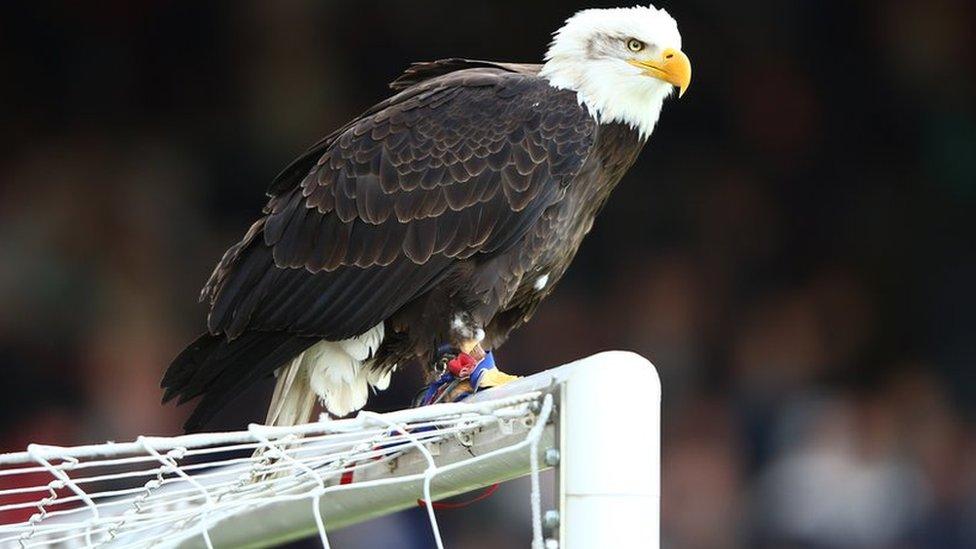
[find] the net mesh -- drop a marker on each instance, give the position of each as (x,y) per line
(156,491)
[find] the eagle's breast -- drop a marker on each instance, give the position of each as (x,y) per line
(549,248)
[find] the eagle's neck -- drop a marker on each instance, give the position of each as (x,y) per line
(635,101)
(617,147)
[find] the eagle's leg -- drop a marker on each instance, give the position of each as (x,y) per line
(469,335)
(461,369)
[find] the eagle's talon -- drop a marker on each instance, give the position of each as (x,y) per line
(445,354)
(462,376)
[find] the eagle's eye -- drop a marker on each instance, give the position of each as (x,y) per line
(635,45)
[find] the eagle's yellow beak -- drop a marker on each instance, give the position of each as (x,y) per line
(673,67)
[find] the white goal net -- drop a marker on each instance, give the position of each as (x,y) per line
(268,485)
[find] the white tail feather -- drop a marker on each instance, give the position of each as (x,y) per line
(335,377)
(337,372)
(363,346)
(379,380)
(293,399)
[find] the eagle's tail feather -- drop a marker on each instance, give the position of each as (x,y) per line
(220,369)
(339,373)
(293,400)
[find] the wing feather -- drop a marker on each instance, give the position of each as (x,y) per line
(461,164)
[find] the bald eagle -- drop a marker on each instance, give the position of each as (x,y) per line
(433,223)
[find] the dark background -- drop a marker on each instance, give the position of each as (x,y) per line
(793,250)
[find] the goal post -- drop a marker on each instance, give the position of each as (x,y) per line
(596,420)
(610,425)
(608,430)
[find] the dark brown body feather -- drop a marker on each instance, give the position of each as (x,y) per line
(450,198)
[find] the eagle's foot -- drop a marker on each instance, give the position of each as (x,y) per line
(461,375)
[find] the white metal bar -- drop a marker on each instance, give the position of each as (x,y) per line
(503,456)
(610,448)
(162,444)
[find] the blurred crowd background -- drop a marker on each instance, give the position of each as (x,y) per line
(793,250)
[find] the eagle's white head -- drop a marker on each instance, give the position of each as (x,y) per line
(622,62)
